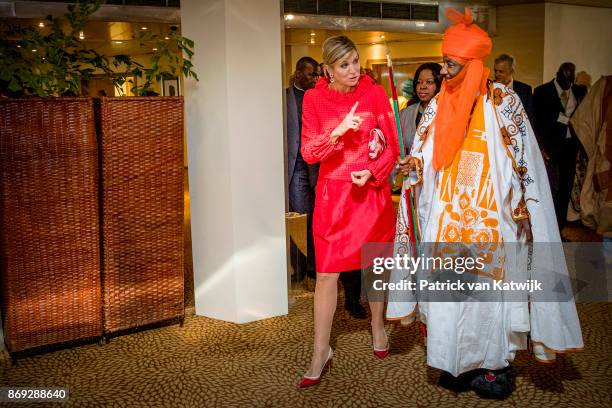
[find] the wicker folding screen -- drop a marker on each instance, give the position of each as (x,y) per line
(141,143)
(49,222)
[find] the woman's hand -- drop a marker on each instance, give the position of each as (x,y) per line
(360,177)
(350,122)
(406,165)
(524,227)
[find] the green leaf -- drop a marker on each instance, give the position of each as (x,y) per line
(68,61)
(14,86)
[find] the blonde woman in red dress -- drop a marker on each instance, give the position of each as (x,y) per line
(347,126)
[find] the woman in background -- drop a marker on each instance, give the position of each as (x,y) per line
(426,85)
(347,126)
(427,81)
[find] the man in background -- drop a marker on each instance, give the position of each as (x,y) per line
(592,122)
(301,189)
(554,104)
(504,74)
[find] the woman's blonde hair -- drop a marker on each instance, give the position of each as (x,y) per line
(335,48)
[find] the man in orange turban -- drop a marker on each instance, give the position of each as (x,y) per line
(465,48)
(483,186)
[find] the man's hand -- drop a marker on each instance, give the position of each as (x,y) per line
(524,227)
(350,122)
(406,165)
(360,177)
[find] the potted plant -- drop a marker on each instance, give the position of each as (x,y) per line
(56,150)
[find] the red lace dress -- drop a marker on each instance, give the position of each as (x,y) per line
(346,215)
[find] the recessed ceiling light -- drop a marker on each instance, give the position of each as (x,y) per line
(312,34)
(118,42)
(34,50)
(41,24)
(154,49)
(289,17)
(18,46)
(166,38)
(382,37)
(143,28)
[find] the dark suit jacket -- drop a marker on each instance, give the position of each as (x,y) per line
(550,133)
(524,92)
(294,138)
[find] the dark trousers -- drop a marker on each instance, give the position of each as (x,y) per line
(351,281)
(561,173)
(301,200)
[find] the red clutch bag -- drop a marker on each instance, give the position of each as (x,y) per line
(377,143)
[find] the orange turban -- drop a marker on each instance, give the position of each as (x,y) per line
(469,45)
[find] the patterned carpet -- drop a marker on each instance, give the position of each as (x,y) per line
(209,363)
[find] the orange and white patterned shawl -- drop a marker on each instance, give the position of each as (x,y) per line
(516,172)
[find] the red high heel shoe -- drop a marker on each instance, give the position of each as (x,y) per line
(309,381)
(382,353)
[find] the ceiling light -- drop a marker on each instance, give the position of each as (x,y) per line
(34,50)
(166,38)
(143,28)
(154,49)
(118,42)
(81,35)
(312,41)
(289,17)
(382,37)
(41,24)
(18,46)
(312,34)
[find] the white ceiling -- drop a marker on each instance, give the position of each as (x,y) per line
(302,36)
(112,38)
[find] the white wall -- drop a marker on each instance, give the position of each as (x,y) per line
(582,35)
(520,32)
(234,122)
(297,52)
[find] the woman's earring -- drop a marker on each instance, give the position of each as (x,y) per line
(331,79)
